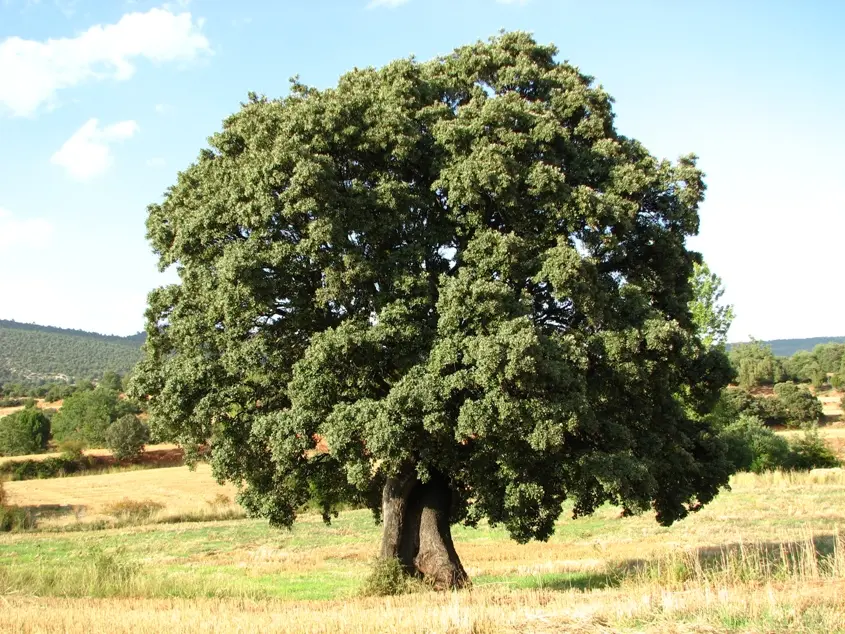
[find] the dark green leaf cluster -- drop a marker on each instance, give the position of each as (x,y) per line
(24,432)
(126,437)
(753,446)
(87,414)
(800,406)
(456,266)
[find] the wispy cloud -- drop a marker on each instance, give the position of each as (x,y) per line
(33,72)
(87,154)
(156,162)
(22,232)
(387,4)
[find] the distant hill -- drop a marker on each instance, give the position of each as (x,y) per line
(788,347)
(29,353)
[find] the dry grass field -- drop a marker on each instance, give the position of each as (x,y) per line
(167,550)
(40,403)
(767,556)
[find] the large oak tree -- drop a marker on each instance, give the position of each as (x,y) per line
(456,276)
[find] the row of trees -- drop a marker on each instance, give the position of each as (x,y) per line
(91,417)
(756,365)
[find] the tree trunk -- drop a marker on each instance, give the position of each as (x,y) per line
(417,529)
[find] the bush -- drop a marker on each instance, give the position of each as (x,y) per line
(85,416)
(754,447)
(800,405)
(388,578)
(47,468)
(24,432)
(126,437)
(71,449)
(812,452)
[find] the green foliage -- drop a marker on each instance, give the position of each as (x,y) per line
(126,437)
(47,468)
(788,347)
(24,432)
(712,319)
(86,415)
(752,446)
(800,406)
(31,353)
(755,364)
(454,267)
(111,381)
(812,452)
(735,402)
(388,578)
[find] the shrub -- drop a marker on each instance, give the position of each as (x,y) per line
(47,468)
(24,432)
(812,452)
(126,437)
(754,447)
(800,405)
(388,578)
(85,416)
(71,449)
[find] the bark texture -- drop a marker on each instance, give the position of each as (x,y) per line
(417,529)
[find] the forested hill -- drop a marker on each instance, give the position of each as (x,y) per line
(788,347)
(29,353)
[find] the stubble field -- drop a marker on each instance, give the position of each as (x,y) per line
(767,556)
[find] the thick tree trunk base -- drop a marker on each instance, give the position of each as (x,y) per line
(417,530)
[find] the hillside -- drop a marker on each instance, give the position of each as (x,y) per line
(788,347)
(29,353)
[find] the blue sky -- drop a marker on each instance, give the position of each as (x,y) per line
(101,103)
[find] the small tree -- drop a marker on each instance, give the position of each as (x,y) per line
(111,381)
(800,406)
(712,319)
(754,447)
(126,437)
(24,432)
(812,452)
(85,416)
(755,364)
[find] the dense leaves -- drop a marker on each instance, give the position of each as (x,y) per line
(24,432)
(87,414)
(458,267)
(712,318)
(126,437)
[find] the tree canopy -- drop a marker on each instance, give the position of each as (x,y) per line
(712,318)
(459,277)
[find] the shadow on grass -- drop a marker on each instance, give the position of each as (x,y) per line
(557,581)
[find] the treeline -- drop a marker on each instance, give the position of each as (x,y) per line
(756,365)
(33,355)
(89,417)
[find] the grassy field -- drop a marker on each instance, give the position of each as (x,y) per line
(768,556)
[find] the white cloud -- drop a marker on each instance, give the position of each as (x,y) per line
(32,72)
(30,232)
(390,4)
(87,154)
(162,108)
(156,161)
